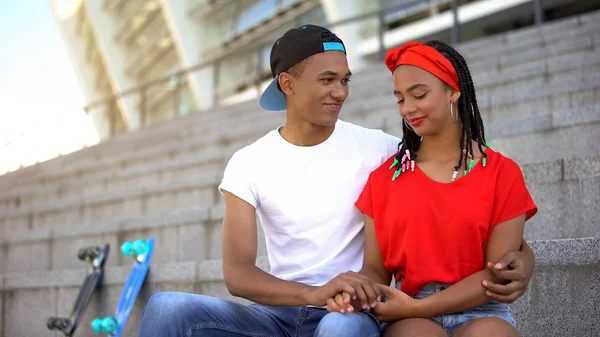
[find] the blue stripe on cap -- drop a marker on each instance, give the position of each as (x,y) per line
(333,46)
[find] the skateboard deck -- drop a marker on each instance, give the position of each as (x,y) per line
(141,251)
(96,256)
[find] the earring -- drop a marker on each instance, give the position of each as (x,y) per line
(407,126)
(454,115)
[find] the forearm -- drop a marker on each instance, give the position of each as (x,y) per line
(378,276)
(528,254)
(254,284)
(464,295)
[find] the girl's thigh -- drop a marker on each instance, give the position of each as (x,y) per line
(415,327)
(486,326)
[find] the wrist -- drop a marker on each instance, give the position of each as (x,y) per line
(419,307)
(309,296)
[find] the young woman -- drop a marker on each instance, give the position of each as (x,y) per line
(441,208)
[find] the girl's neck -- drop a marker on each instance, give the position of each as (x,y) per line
(443,146)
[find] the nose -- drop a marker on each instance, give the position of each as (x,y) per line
(339,92)
(406,108)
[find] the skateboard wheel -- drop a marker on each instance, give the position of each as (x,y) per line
(50,323)
(97,325)
(127,248)
(108,324)
(82,253)
(140,247)
(89,253)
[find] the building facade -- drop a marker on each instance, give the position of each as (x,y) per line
(164,58)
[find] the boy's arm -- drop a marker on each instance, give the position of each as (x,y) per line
(516,268)
(244,279)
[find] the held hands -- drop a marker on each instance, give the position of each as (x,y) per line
(391,305)
(514,268)
(355,287)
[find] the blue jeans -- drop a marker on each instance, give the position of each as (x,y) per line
(170,314)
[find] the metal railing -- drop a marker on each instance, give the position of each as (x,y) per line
(139,96)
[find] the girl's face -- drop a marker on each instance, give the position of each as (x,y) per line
(424,101)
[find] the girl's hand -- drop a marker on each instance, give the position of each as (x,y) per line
(340,303)
(397,305)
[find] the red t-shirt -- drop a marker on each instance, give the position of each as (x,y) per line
(438,232)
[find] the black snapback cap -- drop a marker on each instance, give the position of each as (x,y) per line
(294,46)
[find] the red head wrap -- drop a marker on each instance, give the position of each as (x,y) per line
(424,57)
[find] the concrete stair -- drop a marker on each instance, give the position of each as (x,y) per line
(539,94)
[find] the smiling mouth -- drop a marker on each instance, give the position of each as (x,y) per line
(416,121)
(336,106)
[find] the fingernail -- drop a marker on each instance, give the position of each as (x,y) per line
(498,266)
(487,293)
(354,297)
(373,304)
(342,311)
(365,306)
(485,284)
(490,264)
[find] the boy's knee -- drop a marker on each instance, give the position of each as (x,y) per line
(354,324)
(171,305)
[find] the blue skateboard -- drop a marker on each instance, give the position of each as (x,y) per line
(141,251)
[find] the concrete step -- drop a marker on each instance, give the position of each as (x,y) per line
(567,192)
(564,285)
(503,44)
(530,44)
(561,110)
(579,124)
(539,73)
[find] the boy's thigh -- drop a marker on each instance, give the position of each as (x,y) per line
(347,324)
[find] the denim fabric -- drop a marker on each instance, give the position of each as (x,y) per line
(170,314)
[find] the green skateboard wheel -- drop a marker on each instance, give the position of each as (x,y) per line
(108,324)
(97,324)
(140,247)
(127,248)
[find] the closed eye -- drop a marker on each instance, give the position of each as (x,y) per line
(421,97)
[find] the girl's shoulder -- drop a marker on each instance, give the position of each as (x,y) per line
(503,165)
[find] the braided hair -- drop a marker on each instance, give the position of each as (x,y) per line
(467,109)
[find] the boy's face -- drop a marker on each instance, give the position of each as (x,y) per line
(321,89)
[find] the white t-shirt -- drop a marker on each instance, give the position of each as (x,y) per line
(305,196)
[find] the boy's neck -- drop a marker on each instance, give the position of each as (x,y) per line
(303,133)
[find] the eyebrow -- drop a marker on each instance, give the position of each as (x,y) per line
(396,92)
(332,73)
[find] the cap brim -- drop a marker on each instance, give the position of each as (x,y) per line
(272,98)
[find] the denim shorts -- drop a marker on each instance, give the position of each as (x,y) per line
(452,321)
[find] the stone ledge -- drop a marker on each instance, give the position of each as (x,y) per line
(207,180)
(152,220)
(567,251)
(205,271)
(564,252)
(538,173)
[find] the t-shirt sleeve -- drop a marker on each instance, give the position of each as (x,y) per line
(391,143)
(365,201)
(238,179)
(512,198)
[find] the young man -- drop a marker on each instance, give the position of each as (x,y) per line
(302,180)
